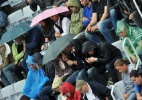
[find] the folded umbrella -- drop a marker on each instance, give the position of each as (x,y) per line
(57,47)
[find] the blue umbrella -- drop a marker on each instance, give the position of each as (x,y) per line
(16,31)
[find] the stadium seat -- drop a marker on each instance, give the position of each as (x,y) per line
(15,16)
(117,91)
(28,12)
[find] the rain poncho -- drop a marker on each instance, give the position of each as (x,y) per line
(135,35)
(68,88)
(35,80)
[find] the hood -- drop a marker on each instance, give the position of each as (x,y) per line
(73,3)
(37,58)
(29,60)
(67,87)
(121,26)
(88,45)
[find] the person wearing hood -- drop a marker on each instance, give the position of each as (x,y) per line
(134,34)
(49,71)
(68,90)
(76,25)
(102,56)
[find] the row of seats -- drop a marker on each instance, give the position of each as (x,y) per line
(21,14)
(12,92)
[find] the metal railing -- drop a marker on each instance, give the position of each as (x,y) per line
(137,7)
(135,52)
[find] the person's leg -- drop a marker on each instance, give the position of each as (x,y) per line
(4,79)
(114,17)
(45,93)
(96,76)
(72,77)
(105,28)
(17,71)
(8,71)
(92,37)
(132,96)
(137,19)
(111,70)
(80,35)
(83,75)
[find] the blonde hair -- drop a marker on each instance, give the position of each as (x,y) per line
(120,62)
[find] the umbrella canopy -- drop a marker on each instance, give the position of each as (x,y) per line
(57,47)
(48,13)
(16,31)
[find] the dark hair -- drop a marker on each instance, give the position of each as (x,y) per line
(24,97)
(136,73)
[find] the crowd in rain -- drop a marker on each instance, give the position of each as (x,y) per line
(88,64)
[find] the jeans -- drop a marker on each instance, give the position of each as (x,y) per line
(45,92)
(72,78)
(92,37)
(8,71)
(4,79)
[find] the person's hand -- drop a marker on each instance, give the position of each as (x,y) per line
(24,47)
(134,59)
(126,12)
(30,1)
(54,6)
(66,4)
(94,28)
(131,15)
(84,18)
(70,62)
(57,35)
(42,47)
(88,28)
(91,60)
(125,96)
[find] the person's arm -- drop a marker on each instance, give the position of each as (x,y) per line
(16,56)
(65,26)
(93,20)
(139,97)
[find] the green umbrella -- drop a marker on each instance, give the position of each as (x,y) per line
(16,31)
(57,47)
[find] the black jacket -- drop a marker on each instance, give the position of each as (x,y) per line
(100,91)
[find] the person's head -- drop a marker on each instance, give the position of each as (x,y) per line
(121,65)
(82,86)
(31,64)
(24,97)
(18,40)
(136,76)
(47,38)
(74,5)
(68,89)
(29,1)
(122,29)
(57,84)
(84,2)
(89,47)
(64,56)
(46,23)
(37,59)
(68,49)
(55,17)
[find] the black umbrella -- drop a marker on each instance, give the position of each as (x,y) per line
(57,47)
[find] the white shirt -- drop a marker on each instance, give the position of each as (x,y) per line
(90,95)
(65,26)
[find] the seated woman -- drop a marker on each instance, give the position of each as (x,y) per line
(17,52)
(135,35)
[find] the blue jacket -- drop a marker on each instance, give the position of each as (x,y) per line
(34,40)
(87,12)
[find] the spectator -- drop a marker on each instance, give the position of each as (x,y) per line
(125,69)
(99,14)
(136,76)
(49,71)
(87,12)
(35,81)
(135,35)
(102,56)
(76,25)
(18,54)
(68,90)
(33,41)
(93,90)
(4,61)
(61,26)
(48,29)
